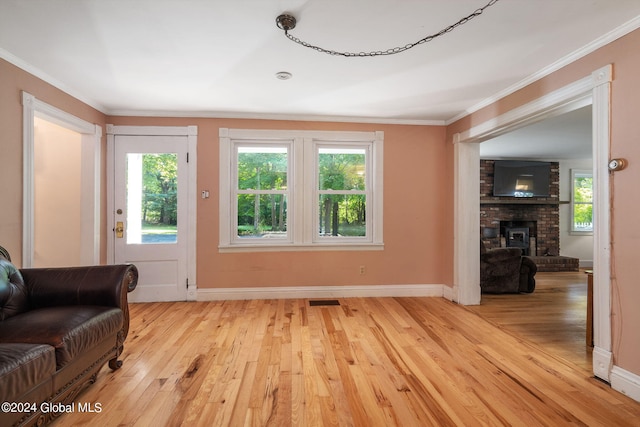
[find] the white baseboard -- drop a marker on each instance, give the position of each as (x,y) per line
(447,293)
(602,362)
(192,292)
(216,294)
(626,382)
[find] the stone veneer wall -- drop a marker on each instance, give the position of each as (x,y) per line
(544,210)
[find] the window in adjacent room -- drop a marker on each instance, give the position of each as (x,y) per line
(283,190)
(581,202)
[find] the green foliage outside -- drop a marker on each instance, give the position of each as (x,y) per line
(261,214)
(159,229)
(342,214)
(583,199)
(160,192)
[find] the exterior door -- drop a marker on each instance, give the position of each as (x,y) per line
(150,213)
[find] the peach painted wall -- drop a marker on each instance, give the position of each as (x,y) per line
(418,210)
(418,203)
(13,81)
(58,196)
(624,54)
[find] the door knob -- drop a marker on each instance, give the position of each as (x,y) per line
(119,229)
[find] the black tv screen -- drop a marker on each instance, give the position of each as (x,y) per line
(517,178)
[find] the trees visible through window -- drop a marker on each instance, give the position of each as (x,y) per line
(152,198)
(262,173)
(342,191)
(582,201)
(300,189)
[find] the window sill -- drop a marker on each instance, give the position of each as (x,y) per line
(239,248)
(581,233)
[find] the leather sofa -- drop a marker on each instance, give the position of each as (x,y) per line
(58,328)
(505,270)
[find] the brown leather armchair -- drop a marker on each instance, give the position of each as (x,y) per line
(58,327)
(505,270)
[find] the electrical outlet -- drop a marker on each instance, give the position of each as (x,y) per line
(362,270)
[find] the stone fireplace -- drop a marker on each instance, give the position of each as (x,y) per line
(531,224)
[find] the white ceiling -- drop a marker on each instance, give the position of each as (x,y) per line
(219,58)
(564,137)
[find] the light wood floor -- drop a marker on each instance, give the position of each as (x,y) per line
(554,315)
(368,362)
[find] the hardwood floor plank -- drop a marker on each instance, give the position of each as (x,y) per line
(367,362)
(553,316)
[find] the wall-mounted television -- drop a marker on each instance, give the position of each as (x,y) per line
(518,178)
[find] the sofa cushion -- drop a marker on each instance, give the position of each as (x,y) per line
(13,292)
(71,330)
(24,366)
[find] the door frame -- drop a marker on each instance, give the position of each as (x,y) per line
(91,143)
(191,132)
(594,88)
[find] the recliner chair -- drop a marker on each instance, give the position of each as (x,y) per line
(505,270)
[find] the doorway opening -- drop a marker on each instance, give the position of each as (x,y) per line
(555,315)
(595,88)
(61,187)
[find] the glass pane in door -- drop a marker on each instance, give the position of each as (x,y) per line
(152,198)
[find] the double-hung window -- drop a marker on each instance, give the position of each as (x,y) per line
(581,202)
(289,190)
(342,191)
(261,191)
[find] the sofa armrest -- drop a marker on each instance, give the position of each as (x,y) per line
(104,285)
(528,270)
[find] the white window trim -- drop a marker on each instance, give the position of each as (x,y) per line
(572,231)
(301,218)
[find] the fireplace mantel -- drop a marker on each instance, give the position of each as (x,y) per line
(522,202)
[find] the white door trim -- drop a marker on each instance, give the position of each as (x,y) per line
(91,138)
(594,89)
(191,132)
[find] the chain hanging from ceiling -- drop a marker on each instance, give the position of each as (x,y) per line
(287,22)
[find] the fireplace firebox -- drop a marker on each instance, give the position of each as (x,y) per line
(519,234)
(517,237)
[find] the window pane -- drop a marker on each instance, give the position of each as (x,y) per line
(152,198)
(342,215)
(583,189)
(583,217)
(262,168)
(262,216)
(341,168)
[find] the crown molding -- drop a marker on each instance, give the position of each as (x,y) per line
(269,116)
(23,65)
(609,37)
(604,40)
